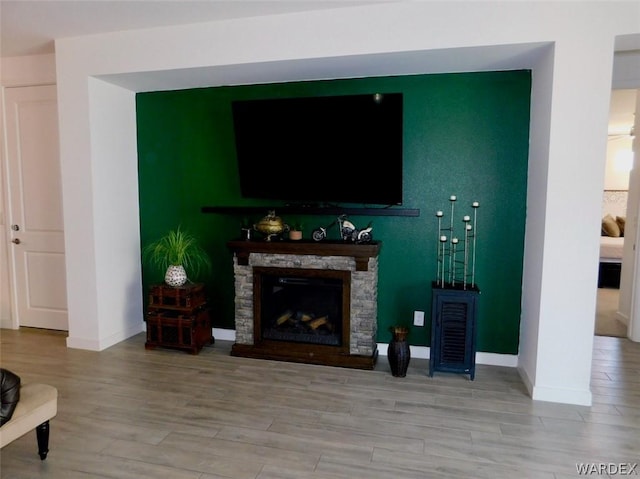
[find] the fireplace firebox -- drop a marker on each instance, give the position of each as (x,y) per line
(302,305)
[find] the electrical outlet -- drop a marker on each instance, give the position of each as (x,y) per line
(418,318)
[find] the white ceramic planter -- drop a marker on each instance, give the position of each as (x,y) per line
(175,275)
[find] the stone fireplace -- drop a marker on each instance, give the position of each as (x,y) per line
(306,302)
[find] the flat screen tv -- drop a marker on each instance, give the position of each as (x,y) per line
(321,150)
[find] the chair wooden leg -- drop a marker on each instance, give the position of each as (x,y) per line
(42,434)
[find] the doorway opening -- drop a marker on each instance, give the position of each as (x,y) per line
(613,305)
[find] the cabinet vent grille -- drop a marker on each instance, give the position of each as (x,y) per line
(454,326)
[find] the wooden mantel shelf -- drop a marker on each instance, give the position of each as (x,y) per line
(360,252)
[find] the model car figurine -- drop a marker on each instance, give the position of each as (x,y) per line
(348,231)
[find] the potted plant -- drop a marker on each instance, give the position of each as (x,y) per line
(295,233)
(177,252)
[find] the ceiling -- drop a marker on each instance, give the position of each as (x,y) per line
(30,27)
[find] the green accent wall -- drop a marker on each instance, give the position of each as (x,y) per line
(465,134)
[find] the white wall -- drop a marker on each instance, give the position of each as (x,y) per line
(536,212)
(15,72)
(569,46)
(626,75)
(629,307)
(619,141)
(569,273)
(628,271)
(615,203)
(114,192)
(616,179)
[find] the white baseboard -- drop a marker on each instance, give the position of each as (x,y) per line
(224,334)
(418,352)
(622,317)
(555,395)
(526,380)
(83,343)
(6,323)
(104,343)
(559,395)
(490,359)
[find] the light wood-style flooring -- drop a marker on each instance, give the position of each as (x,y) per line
(607,320)
(130,413)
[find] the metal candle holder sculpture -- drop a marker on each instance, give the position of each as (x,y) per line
(452,272)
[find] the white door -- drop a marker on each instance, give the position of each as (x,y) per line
(35,208)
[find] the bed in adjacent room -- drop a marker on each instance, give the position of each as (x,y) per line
(611,248)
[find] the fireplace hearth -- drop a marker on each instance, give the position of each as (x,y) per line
(306,302)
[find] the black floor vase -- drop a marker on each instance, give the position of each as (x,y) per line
(399,353)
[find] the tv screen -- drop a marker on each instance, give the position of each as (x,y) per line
(321,150)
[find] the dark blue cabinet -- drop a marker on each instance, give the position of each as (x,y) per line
(453,330)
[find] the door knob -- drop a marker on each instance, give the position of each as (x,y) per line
(15,227)
(16,240)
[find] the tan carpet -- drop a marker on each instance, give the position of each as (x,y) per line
(607,324)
